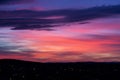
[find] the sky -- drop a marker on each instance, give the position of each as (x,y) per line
(60,30)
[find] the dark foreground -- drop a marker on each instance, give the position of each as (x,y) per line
(23,70)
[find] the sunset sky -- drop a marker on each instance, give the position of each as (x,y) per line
(60,30)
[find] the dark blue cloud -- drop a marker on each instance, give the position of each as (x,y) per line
(6,2)
(25,19)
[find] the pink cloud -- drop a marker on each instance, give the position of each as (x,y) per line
(32,8)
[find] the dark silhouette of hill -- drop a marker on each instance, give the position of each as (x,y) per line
(11,69)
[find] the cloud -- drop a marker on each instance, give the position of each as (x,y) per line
(110,37)
(38,8)
(113,45)
(59,49)
(75,57)
(9,48)
(27,19)
(7,2)
(110,43)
